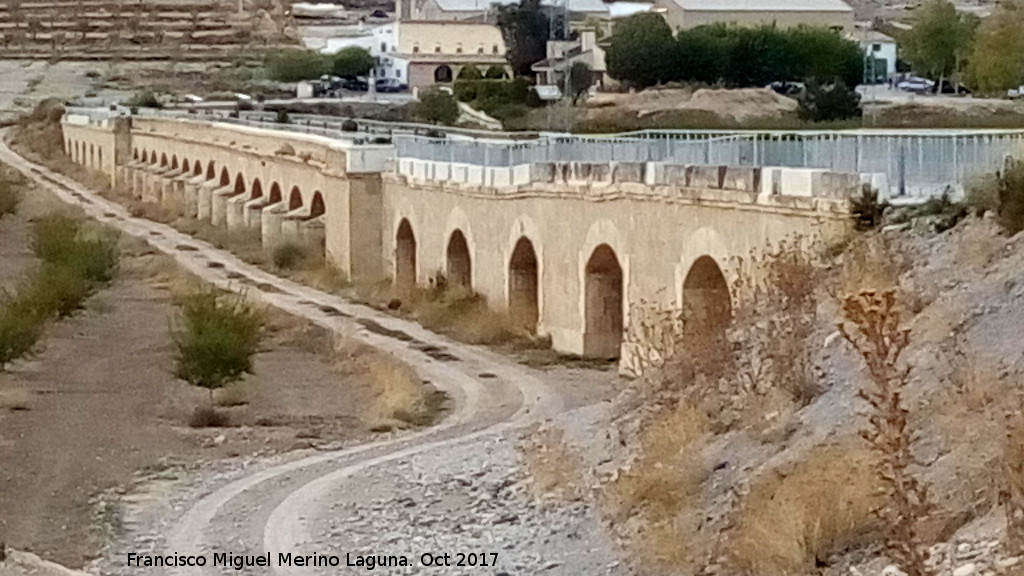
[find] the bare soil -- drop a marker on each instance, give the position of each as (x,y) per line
(98,403)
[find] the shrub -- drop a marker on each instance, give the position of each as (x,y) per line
(867,211)
(297,64)
(349,125)
(282,117)
(208,417)
(1011,197)
(437,107)
(352,61)
(20,327)
(9,197)
(60,239)
(288,255)
(58,289)
(496,72)
(216,337)
(143,99)
(826,102)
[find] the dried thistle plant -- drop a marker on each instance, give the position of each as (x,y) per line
(1011,491)
(872,325)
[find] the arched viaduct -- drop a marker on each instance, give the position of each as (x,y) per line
(566,249)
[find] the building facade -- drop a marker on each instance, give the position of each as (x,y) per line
(685,14)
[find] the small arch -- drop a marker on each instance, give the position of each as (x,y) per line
(257,189)
(99,157)
(186,166)
(706,300)
(405,257)
(523,285)
(174,162)
(197,168)
(443,74)
(211,171)
(316,207)
(275,193)
(460,265)
(295,199)
(75,156)
(239,184)
(135,154)
(145,156)
(92,156)
(603,297)
(163,159)
(225,178)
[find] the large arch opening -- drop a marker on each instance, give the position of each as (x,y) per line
(405,257)
(211,171)
(707,306)
(460,266)
(257,189)
(275,193)
(225,178)
(239,184)
(523,285)
(603,297)
(316,207)
(294,199)
(443,74)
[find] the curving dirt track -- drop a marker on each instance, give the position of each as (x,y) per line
(280,507)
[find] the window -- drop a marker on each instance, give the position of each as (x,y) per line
(480,50)
(398,73)
(416,49)
(383,46)
(495,49)
(458,49)
(437,49)
(876,47)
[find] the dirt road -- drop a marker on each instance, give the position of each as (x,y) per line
(286,506)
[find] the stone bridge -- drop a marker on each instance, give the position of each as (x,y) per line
(566,248)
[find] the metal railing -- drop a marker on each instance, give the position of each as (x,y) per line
(915,162)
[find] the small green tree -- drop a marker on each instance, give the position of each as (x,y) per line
(294,64)
(640,53)
(581,78)
(997,58)
(826,102)
(353,61)
(940,40)
(495,72)
(525,29)
(215,338)
(21,324)
(437,106)
(469,73)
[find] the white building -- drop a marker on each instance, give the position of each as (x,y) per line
(878,46)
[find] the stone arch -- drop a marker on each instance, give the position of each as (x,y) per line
(295,198)
(163,159)
(405,257)
(257,189)
(443,74)
(275,193)
(99,157)
(459,266)
(197,168)
(211,170)
(603,299)
(174,161)
(186,166)
(706,298)
(316,206)
(524,285)
(145,157)
(225,177)
(135,154)
(239,184)
(75,155)
(92,156)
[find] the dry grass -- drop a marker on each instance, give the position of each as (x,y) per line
(231,395)
(870,262)
(797,518)
(978,245)
(245,243)
(661,491)
(15,399)
(401,397)
(1011,490)
(555,469)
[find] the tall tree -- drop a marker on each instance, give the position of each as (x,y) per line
(641,49)
(581,78)
(353,61)
(526,29)
(940,40)
(997,60)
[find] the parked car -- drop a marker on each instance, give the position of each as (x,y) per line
(356,84)
(947,87)
(915,85)
(787,88)
(391,85)
(1015,93)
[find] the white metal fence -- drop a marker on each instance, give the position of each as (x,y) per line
(916,162)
